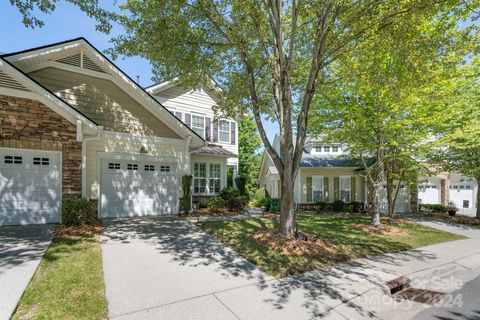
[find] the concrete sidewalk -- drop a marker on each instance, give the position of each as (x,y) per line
(170,269)
(21,249)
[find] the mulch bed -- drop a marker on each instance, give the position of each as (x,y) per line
(205,212)
(291,246)
(82,231)
(385,230)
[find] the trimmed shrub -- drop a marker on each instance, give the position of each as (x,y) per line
(241,183)
(437,208)
(274,205)
(216,204)
(261,199)
(229,193)
(203,203)
(338,205)
(237,203)
(320,206)
(78,211)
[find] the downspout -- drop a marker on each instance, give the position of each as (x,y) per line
(84,159)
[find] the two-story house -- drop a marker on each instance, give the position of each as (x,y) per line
(209,164)
(72,124)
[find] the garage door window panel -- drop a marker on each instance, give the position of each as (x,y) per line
(13,160)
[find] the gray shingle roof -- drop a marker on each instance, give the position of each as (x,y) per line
(312,161)
(215,150)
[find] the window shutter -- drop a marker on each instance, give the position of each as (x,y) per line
(178,115)
(215,131)
(208,122)
(188,118)
(325,189)
(232,138)
(336,185)
(353,188)
(309,189)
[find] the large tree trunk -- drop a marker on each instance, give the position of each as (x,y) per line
(478,197)
(376,205)
(287,205)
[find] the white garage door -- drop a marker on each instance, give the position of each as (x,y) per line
(429,193)
(402,204)
(30,186)
(137,188)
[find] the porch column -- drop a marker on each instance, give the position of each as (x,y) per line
(445,189)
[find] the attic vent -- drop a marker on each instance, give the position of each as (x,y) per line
(9,82)
(89,64)
(73,60)
(76,60)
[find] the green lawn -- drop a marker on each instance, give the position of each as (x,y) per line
(350,242)
(68,283)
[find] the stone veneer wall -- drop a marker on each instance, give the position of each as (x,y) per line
(29,124)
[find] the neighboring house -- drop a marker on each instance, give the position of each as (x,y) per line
(193,106)
(449,187)
(326,174)
(72,124)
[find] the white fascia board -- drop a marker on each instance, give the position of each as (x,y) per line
(49,99)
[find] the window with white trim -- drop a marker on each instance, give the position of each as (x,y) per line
(326,148)
(198,124)
(114,166)
(334,148)
(224,131)
(199,177)
(317,189)
(345,188)
(214,176)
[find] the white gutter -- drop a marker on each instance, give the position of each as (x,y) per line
(84,159)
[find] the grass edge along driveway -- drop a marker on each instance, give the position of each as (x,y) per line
(351,243)
(68,283)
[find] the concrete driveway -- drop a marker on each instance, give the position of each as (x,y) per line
(21,249)
(158,268)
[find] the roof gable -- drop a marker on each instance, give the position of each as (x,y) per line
(47,56)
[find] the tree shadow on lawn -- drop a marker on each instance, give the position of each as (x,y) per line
(321,289)
(21,244)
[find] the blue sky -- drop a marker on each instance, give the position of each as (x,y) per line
(68,22)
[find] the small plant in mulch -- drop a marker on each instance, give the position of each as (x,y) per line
(385,230)
(86,230)
(306,245)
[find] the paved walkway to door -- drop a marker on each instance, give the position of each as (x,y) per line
(21,249)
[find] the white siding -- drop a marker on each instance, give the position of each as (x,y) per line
(199,101)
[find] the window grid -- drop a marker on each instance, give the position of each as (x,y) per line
(198,125)
(224,131)
(132,166)
(149,167)
(41,161)
(114,166)
(13,159)
(165,168)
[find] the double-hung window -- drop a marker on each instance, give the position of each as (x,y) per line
(214,178)
(224,131)
(345,188)
(317,189)
(198,124)
(199,177)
